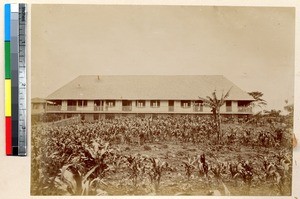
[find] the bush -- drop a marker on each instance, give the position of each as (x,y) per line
(147,148)
(180,153)
(127,148)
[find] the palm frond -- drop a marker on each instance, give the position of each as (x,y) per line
(227,94)
(223,97)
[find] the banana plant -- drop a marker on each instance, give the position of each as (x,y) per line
(72,182)
(98,155)
(189,166)
(202,166)
(233,168)
(269,169)
(117,161)
(283,178)
(245,173)
(136,168)
(156,170)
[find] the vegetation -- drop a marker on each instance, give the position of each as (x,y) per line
(108,157)
(215,104)
(258,101)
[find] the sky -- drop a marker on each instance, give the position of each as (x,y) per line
(251,46)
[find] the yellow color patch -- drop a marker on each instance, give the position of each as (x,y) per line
(7,97)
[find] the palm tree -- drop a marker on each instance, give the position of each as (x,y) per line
(258,101)
(215,104)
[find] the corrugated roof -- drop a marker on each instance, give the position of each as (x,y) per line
(177,87)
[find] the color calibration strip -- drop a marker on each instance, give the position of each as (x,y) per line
(15,78)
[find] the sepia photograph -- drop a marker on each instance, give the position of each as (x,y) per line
(162,100)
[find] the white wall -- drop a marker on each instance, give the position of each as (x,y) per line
(64,105)
(234,106)
(164,107)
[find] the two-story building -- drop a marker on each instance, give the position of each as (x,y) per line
(95,96)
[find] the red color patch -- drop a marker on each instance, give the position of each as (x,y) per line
(8,136)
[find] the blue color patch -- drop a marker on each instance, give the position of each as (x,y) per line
(7,22)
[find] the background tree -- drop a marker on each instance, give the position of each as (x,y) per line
(215,104)
(289,108)
(273,113)
(258,101)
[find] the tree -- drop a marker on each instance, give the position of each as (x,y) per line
(215,104)
(273,113)
(258,101)
(289,108)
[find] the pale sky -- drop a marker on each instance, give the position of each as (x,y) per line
(251,46)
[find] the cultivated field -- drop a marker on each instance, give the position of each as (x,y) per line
(163,155)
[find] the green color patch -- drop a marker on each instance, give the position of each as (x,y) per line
(7,60)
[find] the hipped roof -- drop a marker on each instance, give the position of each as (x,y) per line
(132,87)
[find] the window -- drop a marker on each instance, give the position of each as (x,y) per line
(98,105)
(140,103)
(171,105)
(111,103)
(98,102)
(228,103)
(82,103)
(57,102)
(198,105)
(185,103)
(154,103)
(72,104)
(228,106)
(243,103)
(244,106)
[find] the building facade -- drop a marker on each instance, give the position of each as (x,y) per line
(95,97)
(38,106)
